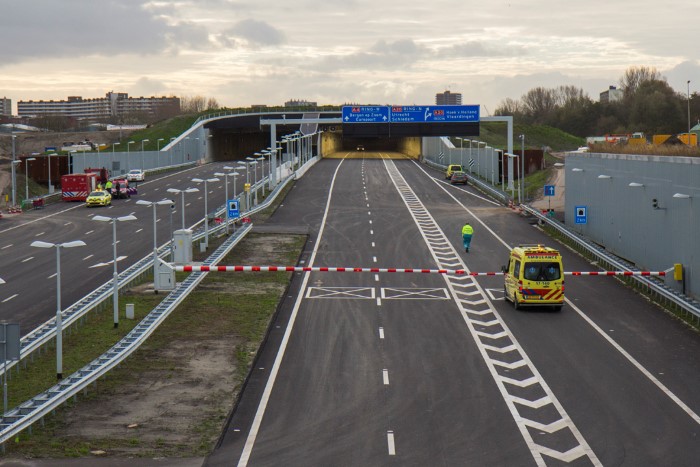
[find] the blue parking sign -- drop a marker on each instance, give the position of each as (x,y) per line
(233,210)
(581,214)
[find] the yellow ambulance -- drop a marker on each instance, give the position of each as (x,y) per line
(534,276)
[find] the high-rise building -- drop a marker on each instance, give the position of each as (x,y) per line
(113,105)
(5,106)
(448,98)
(611,95)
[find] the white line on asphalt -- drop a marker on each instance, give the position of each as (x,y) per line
(187,204)
(27,259)
(39,234)
(52,276)
(379,301)
(139,230)
(385,377)
(390,442)
(368,205)
(374,258)
(9,298)
(6,246)
(369,213)
(381,333)
(157,220)
(370,221)
(372,244)
(67,223)
(89,232)
(260,413)
(376,277)
(371,232)
(636,364)
(88,257)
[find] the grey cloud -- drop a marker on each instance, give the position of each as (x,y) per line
(255,32)
(479,49)
(382,55)
(78,29)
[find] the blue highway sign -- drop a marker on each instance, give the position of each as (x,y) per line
(581,214)
(365,114)
(549,190)
(233,209)
(434,113)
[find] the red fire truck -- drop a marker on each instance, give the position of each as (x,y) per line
(77,187)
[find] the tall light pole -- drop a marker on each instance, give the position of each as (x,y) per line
(142,155)
(255,179)
(26,176)
(226,176)
(206,206)
(261,160)
(155,204)
(14,173)
(113,144)
(59,324)
(128,162)
(115,275)
(522,162)
(182,193)
(50,186)
(688,112)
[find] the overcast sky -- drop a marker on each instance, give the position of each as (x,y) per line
(244,52)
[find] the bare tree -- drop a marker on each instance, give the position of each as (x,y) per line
(539,103)
(635,76)
(193,104)
(212,104)
(509,107)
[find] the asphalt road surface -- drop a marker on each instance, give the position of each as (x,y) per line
(417,369)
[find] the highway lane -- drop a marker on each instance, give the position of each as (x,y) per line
(29,295)
(442,406)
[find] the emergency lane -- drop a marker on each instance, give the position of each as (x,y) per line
(31,284)
(618,379)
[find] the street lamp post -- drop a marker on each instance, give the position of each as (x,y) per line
(170,150)
(59,324)
(115,275)
(113,144)
(142,154)
(182,192)
(206,206)
(261,159)
(128,162)
(155,240)
(255,179)
(14,173)
(688,112)
(522,162)
(26,176)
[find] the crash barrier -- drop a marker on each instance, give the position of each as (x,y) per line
(458,272)
(26,414)
(653,287)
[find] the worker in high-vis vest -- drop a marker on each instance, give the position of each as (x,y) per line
(467,232)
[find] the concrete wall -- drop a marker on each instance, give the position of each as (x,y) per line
(622,218)
(331,142)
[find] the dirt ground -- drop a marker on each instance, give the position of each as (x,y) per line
(555,202)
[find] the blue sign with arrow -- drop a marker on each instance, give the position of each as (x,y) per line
(365,114)
(549,190)
(434,113)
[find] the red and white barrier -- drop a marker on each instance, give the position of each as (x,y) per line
(458,272)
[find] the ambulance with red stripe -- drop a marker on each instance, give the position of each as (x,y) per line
(534,276)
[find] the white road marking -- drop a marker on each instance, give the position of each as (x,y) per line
(260,413)
(370,221)
(379,301)
(374,258)
(52,275)
(9,298)
(381,333)
(369,213)
(385,377)
(371,232)
(67,223)
(6,246)
(372,244)
(39,234)
(27,259)
(89,232)
(376,277)
(88,257)
(187,204)
(139,230)
(390,443)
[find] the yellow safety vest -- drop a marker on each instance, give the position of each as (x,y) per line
(467,230)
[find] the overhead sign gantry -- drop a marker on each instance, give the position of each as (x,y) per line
(411,120)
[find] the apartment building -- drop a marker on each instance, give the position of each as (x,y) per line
(114,104)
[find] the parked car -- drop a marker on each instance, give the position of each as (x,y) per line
(458,177)
(136,175)
(452,168)
(98,198)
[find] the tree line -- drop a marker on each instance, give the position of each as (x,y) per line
(648,104)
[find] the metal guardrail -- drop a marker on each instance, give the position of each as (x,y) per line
(33,410)
(682,301)
(28,413)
